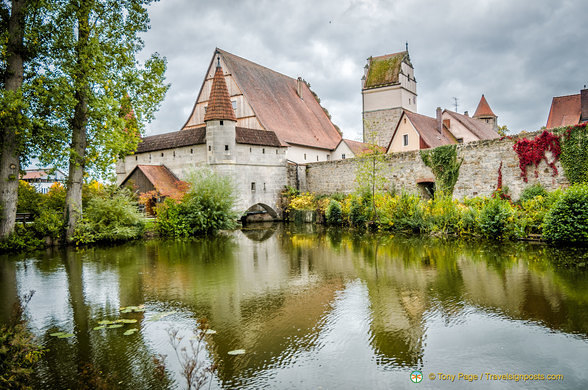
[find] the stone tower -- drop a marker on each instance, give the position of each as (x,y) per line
(485,114)
(220,122)
(388,87)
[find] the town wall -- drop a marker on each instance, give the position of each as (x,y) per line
(477,177)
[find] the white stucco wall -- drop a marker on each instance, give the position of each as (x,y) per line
(405,127)
(342,149)
(303,155)
(458,130)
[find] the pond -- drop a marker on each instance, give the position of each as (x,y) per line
(312,308)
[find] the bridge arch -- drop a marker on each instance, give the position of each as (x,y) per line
(260,212)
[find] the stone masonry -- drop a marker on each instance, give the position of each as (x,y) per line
(478,174)
(379,125)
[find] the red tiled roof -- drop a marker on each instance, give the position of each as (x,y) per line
(483,109)
(164,181)
(278,108)
(565,111)
(361,148)
(219,103)
(384,70)
(480,129)
(427,129)
(36,174)
(176,139)
(256,137)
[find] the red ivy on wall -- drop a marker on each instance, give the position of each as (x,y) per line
(533,151)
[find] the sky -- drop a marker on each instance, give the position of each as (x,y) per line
(519,54)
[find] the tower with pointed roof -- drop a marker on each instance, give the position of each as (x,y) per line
(485,114)
(388,87)
(220,121)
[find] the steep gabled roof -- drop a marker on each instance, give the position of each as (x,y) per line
(426,127)
(162,179)
(565,111)
(219,103)
(479,128)
(273,98)
(483,109)
(359,148)
(384,70)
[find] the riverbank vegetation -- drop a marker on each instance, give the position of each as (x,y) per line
(558,217)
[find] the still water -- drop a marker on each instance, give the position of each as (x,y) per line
(312,308)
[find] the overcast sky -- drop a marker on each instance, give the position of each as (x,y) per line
(518,53)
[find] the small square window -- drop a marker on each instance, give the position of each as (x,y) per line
(250,150)
(135,158)
(161,154)
(263,187)
(226,148)
(460,140)
(253,187)
(191,151)
(405,139)
(305,156)
(263,150)
(221,123)
(316,158)
(343,156)
(209,148)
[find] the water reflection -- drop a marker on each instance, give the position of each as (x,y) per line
(311,306)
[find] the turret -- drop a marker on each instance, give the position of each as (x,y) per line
(220,121)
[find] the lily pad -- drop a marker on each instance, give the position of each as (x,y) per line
(159,316)
(130,331)
(57,334)
(105,322)
(127,321)
(65,335)
(99,327)
(115,326)
(210,331)
(237,352)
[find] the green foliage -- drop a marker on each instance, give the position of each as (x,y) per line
(357,214)
(110,218)
(205,209)
(567,220)
(49,223)
(369,176)
(409,214)
(93,48)
(334,214)
(29,200)
(445,165)
(531,192)
(574,153)
(54,199)
(497,220)
(21,240)
(18,351)
(443,215)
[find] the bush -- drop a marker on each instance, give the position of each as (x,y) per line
(443,214)
(22,239)
(110,217)
(409,214)
(54,199)
(532,192)
(497,220)
(567,220)
(205,209)
(334,214)
(28,199)
(357,216)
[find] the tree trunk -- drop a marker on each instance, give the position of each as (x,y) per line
(9,154)
(77,159)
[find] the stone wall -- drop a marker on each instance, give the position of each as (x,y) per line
(478,174)
(379,125)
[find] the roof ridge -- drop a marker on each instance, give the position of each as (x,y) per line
(255,63)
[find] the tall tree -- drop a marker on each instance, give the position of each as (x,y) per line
(100,95)
(12,21)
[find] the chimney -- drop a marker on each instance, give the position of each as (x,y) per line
(584,104)
(299,87)
(439,121)
(466,113)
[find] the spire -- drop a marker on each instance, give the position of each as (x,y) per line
(219,103)
(483,109)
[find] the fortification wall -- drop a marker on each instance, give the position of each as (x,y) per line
(478,174)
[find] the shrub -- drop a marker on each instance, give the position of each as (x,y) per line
(357,215)
(567,220)
(49,223)
(205,209)
(497,220)
(531,192)
(304,201)
(22,239)
(110,217)
(28,198)
(409,214)
(334,214)
(443,214)
(54,199)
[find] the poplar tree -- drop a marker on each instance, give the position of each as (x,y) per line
(99,95)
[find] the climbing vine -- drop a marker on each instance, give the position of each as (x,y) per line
(533,151)
(574,153)
(445,165)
